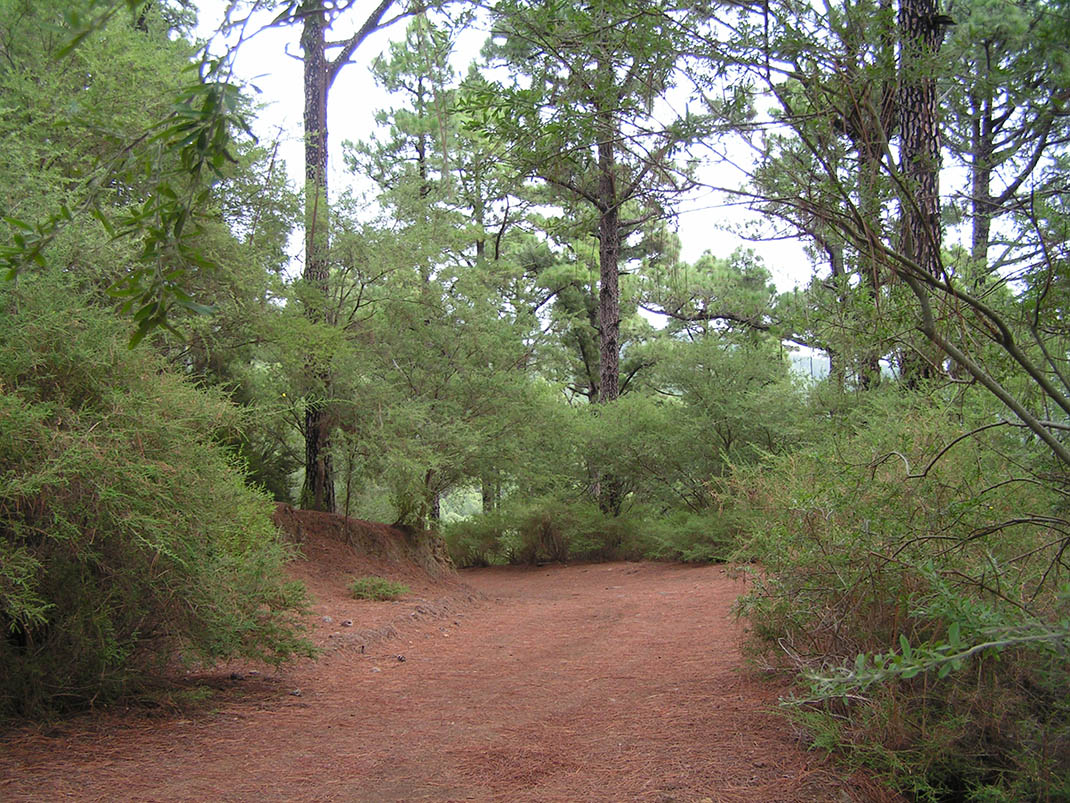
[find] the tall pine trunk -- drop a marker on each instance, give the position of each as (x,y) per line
(320,73)
(609,280)
(921,31)
(318,490)
(921,35)
(610,492)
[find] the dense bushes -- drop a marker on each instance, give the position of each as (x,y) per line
(549,530)
(922,592)
(534,531)
(127,535)
(722,404)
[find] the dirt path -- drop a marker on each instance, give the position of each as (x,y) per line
(612,682)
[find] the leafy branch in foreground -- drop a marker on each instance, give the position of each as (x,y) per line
(944,657)
(155,189)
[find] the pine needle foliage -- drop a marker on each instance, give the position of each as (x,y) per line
(913,573)
(128,537)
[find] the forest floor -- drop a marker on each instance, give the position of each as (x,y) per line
(608,682)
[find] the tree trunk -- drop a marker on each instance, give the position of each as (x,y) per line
(921,34)
(318,491)
(837,368)
(610,492)
(921,31)
(491,489)
(870,147)
(432,502)
(981,182)
(609,280)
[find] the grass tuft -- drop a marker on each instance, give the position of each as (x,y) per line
(377,588)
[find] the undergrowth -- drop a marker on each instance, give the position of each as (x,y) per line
(914,576)
(128,536)
(549,529)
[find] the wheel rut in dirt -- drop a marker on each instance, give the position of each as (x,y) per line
(608,682)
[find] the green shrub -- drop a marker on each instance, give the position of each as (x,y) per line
(539,530)
(476,541)
(377,588)
(915,588)
(690,537)
(127,534)
(552,530)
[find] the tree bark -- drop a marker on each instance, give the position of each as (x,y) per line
(491,490)
(609,279)
(610,492)
(981,181)
(921,31)
(318,490)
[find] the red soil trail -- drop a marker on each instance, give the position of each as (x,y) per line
(615,682)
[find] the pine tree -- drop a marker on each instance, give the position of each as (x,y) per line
(320,72)
(580,118)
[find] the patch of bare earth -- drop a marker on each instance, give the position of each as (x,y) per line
(613,682)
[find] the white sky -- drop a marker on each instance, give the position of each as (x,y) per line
(263,62)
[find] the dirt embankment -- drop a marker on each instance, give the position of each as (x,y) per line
(613,682)
(335,550)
